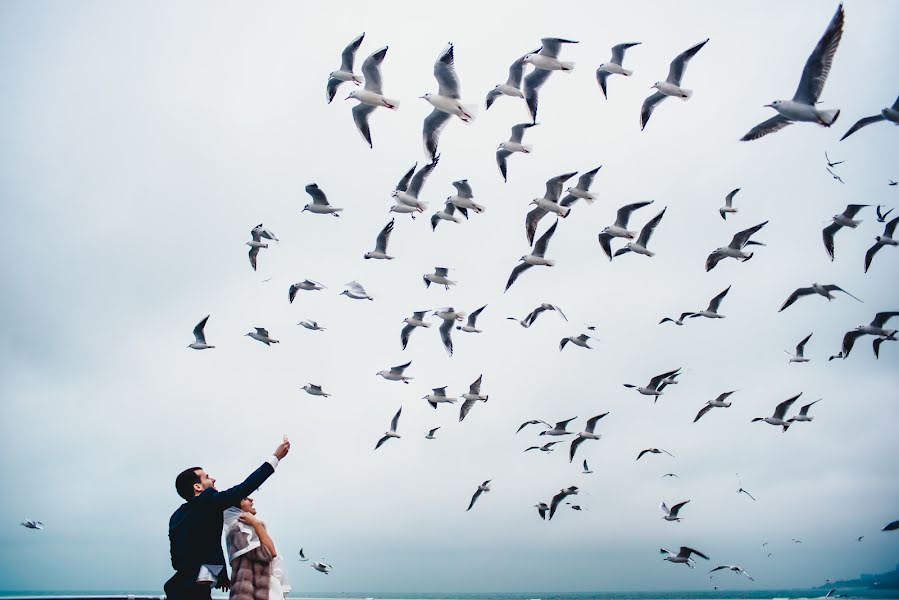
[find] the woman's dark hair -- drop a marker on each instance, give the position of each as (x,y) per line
(184,482)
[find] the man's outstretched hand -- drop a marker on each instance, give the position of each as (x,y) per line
(282,449)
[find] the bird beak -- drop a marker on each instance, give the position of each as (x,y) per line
(768,105)
(422,97)
(348,97)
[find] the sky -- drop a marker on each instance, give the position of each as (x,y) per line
(142,141)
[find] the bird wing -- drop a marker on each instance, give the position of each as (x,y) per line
(798,293)
(492,95)
(552,46)
(591,422)
(618,51)
(863,122)
(395,420)
(318,196)
(890,227)
(852,209)
(869,255)
(198,331)
(384,237)
(399,369)
(676,508)
(463,189)
(371,69)
(716,301)
(441,271)
(586,179)
(729,199)
(880,319)
(418,180)
(849,341)
(649,105)
(445,73)
(518,270)
(605,242)
(775,123)
(543,241)
(501,155)
(465,408)
(348,56)
(360,118)
(601,77)
(623,215)
(800,347)
(712,260)
(433,125)
(473,498)
(817,67)
(804,409)
(686,551)
(331,89)
(474,316)
(518,131)
(557,499)
(554,186)
(446,328)
(642,452)
(574,444)
(741,238)
(782,408)
(827,235)
(658,378)
(679,64)
(405,333)
(404,182)
(531,221)
(381,441)
(561,425)
(702,411)
(835,288)
(647,230)
(532,84)
(475,388)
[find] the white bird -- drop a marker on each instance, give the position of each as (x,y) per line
(799,357)
(886,239)
(559,428)
(803,413)
(315,390)
(536,256)
(875,328)
(735,248)
(356,292)
(438,396)
(319,204)
(532,422)
(823,290)
(548,203)
(506,149)
(678,321)
(545,61)
(557,499)
(734,568)
(834,175)
(431,433)
(542,509)
(581,191)
(890,114)
(529,319)
(512,87)
(200,336)
(619,228)
(464,198)
(653,388)
(371,96)
(670,514)
(672,85)
(306,285)
(439,276)
(261,334)
(719,402)
(640,246)
(682,556)
(391,433)
(448,313)
(408,196)
(586,470)
(814,75)
(255,245)
(447,214)
(547,447)
(844,219)
(471,396)
(728,204)
(469,326)
(586,434)
(446,102)
(579,340)
(831,163)
(653,451)
(380,251)
(780,411)
(311,325)
(345,72)
(446,330)
(484,487)
(613,67)
(31,524)
(396,373)
(712,311)
(416,320)
(882,216)
(321,567)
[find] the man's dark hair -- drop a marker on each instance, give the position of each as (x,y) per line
(184,482)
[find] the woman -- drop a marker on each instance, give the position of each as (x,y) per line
(256,572)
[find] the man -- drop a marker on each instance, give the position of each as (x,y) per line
(195,529)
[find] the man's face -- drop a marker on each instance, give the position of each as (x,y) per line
(246,505)
(206,481)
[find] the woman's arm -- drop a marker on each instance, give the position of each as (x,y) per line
(261,531)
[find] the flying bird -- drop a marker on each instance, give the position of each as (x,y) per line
(640,246)
(683,556)
(32,524)
(536,256)
(619,228)
(835,176)
(532,422)
(557,499)
(469,326)
(431,433)
(653,451)
(890,114)
(734,568)
(438,396)
(831,163)
(396,373)
(728,204)
(545,61)
(471,396)
(547,447)
(882,216)
(446,102)
(669,475)
(506,149)
(672,85)
(306,285)
(823,290)
(371,96)
(255,245)
(586,470)
(803,413)
(356,291)
(586,434)
(559,428)
(799,357)
(780,411)
(670,514)
(579,340)
(880,241)
(814,75)
(321,567)
(311,325)
(512,87)
(200,336)
(581,191)
(735,248)
(719,402)
(345,72)
(319,204)
(439,276)
(464,197)
(542,509)
(447,214)
(484,487)
(891,526)
(261,334)
(875,328)
(409,188)
(678,321)
(380,251)
(653,387)
(712,311)
(303,556)
(742,491)
(844,219)
(548,203)
(391,433)
(529,319)
(613,67)
(314,390)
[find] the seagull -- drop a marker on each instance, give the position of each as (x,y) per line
(307,285)
(580,340)
(380,251)
(559,428)
(779,412)
(835,176)
(586,434)
(742,491)
(670,514)
(653,451)
(831,163)
(613,66)
(619,229)
(532,316)
(719,402)
(876,328)
(735,248)
(314,390)
(506,149)
(345,72)
(532,422)
(416,320)
(319,204)
(371,97)
(321,567)
(712,311)
(859,538)
(535,257)
(800,348)
(576,507)
(484,487)
(845,219)
(391,433)
(728,204)
(640,246)
(303,556)
(356,292)
(469,326)
(545,61)
(542,509)
(259,232)
(678,321)
(255,245)
(464,197)
(683,556)
(200,337)
(473,395)
(396,373)
(586,470)
(581,191)
(886,239)
(891,526)
(439,396)
(311,325)
(890,114)
(547,447)
(814,75)
(669,475)
(564,493)
(438,277)
(803,412)
(795,541)
(431,433)
(447,214)
(446,102)
(446,330)
(449,313)
(549,203)
(671,86)
(512,87)
(823,290)
(408,196)
(882,216)
(734,568)
(261,334)
(31,524)
(652,388)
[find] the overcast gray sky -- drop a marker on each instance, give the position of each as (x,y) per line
(142,141)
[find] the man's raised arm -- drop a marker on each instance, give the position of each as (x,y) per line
(233,496)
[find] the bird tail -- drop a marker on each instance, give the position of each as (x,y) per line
(471,110)
(550,263)
(687,94)
(478,208)
(828,117)
(627,72)
(564,211)
(393,104)
(421,206)
(567,66)
(526,149)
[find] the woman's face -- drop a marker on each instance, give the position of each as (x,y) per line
(246,505)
